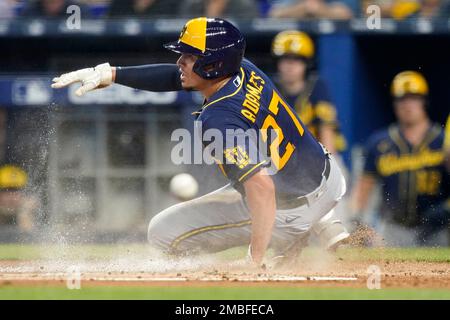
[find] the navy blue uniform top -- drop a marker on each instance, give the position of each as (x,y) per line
(251,101)
(247,101)
(413,179)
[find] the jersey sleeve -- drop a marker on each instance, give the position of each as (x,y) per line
(325,111)
(237,153)
(370,156)
(151,77)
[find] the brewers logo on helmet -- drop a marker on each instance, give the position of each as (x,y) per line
(409,82)
(219,45)
(293,43)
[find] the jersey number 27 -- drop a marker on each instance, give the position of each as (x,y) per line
(270,123)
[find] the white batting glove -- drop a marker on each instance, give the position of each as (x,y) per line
(90,78)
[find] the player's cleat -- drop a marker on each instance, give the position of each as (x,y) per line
(331,232)
(333,235)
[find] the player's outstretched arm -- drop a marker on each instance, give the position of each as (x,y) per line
(154,77)
(260,194)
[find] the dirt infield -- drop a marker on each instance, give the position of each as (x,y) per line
(333,272)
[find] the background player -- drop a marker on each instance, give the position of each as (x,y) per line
(276,198)
(304,89)
(407,159)
(447,142)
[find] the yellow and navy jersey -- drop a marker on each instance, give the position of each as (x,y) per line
(250,102)
(315,107)
(413,179)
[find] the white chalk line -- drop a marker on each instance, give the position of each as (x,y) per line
(274,278)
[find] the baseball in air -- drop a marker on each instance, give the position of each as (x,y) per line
(184,186)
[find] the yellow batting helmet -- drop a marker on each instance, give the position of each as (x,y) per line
(12,177)
(217,43)
(292,42)
(409,82)
(402,9)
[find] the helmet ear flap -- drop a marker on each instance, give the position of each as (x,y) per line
(205,69)
(209,69)
(212,66)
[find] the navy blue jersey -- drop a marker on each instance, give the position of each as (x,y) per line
(287,150)
(413,179)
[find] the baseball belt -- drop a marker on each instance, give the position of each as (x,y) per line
(309,198)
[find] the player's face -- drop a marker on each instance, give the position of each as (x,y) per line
(189,79)
(291,69)
(53,7)
(410,109)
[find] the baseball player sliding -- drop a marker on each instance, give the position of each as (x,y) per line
(274,198)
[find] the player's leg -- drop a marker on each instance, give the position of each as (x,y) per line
(211,223)
(330,231)
(293,226)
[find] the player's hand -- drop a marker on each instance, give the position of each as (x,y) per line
(251,263)
(90,78)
